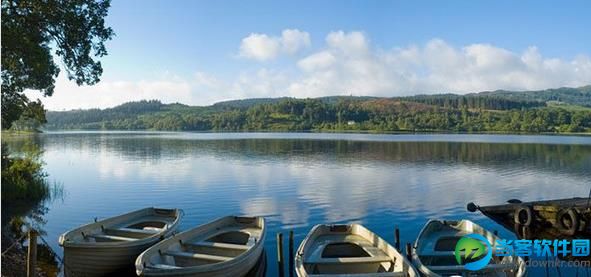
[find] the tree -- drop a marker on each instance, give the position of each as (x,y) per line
(30,28)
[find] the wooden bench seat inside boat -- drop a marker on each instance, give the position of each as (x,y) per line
(130,232)
(354,260)
(214,247)
(163,266)
(109,238)
(224,245)
(212,258)
(347,250)
(220,245)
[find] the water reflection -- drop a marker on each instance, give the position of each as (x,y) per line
(297,183)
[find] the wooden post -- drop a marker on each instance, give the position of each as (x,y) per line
(291,254)
(32,254)
(397,238)
(280,255)
(408,251)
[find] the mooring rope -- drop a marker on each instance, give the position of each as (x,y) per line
(61,262)
(14,244)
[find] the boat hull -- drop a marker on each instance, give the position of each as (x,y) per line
(111,245)
(432,253)
(92,261)
(349,250)
(241,265)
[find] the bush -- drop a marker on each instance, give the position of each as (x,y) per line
(23,177)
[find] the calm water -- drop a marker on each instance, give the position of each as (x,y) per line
(299,180)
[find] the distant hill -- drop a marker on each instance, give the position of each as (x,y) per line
(551,110)
(575,96)
(247,103)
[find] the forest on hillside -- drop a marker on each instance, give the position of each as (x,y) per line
(486,112)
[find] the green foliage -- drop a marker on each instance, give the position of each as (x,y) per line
(29,30)
(31,119)
(347,114)
(577,96)
(474,101)
(22,176)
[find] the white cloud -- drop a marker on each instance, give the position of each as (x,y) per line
(353,43)
(346,64)
(262,47)
(259,47)
(294,40)
(68,95)
(349,65)
(317,61)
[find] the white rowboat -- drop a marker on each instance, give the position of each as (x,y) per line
(111,245)
(229,246)
(349,250)
(433,251)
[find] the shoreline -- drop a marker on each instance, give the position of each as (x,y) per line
(424,132)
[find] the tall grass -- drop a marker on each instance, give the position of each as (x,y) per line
(23,177)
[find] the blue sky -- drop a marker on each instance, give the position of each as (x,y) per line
(200,52)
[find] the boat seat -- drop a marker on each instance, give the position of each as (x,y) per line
(222,245)
(153,229)
(351,260)
(154,222)
(163,266)
(130,232)
(253,234)
(214,248)
(110,237)
(212,258)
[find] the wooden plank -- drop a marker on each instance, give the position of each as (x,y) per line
(206,257)
(150,231)
(109,237)
(218,245)
(163,266)
(130,232)
(355,260)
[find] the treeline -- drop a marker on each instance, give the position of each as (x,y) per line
(105,115)
(420,113)
(577,96)
(474,102)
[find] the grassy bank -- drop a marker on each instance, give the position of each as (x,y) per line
(24,192)
(23,178)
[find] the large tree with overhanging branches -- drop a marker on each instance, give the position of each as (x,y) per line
(33,32)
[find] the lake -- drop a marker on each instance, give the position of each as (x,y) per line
(299,180)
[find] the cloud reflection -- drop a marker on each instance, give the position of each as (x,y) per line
(303,182)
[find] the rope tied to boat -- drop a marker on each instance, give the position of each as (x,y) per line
(60,260)
(14,244)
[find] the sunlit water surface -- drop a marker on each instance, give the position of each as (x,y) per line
(299,180)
